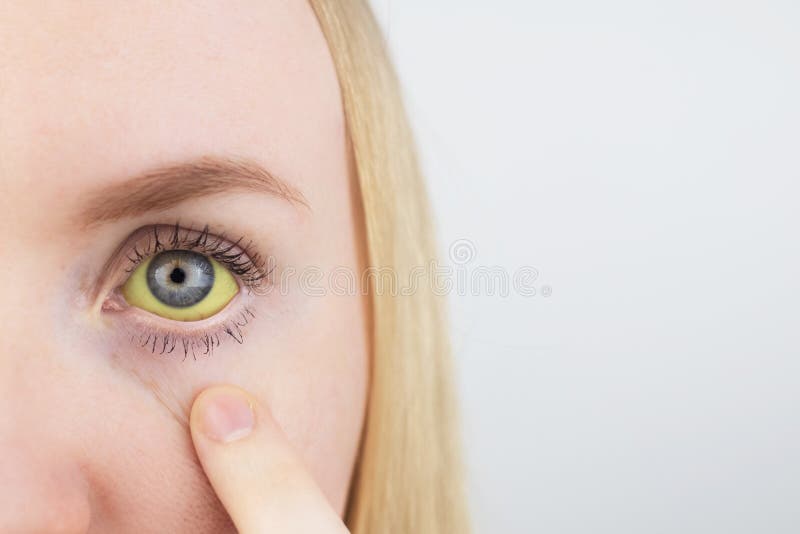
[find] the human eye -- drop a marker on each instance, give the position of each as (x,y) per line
(184,289)
(182,285)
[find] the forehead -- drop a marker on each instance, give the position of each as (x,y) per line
(92,89)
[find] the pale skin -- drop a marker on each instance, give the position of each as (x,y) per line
(99,430)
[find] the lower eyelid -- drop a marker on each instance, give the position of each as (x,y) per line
(162,336)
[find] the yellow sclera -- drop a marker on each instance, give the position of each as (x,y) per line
(137,293)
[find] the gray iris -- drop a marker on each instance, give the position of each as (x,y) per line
(180,278)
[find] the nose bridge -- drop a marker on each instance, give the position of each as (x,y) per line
(41,486)
(23,317)
(39,371)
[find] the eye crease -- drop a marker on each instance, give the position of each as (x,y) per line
(181,285)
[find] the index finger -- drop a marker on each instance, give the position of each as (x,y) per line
(260,479)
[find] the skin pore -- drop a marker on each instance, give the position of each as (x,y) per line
(97,98)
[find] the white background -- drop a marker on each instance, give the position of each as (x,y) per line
(644,157)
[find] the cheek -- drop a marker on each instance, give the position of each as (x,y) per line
(314,378)
(307,359)
(135,459)
(308,364)
(144,462)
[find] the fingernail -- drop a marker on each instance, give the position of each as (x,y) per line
(227,416)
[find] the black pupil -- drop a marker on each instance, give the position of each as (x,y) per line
(177,275)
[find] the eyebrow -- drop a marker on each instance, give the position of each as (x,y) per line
(165,187)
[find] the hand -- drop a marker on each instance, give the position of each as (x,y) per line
(260,480)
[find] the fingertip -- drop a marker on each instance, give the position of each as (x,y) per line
(260,479)
(223,414)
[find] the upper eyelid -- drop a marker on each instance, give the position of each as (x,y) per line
(241,259)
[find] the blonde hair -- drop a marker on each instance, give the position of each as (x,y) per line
(408,476)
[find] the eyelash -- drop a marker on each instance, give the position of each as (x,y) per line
(246,264)
(207,341)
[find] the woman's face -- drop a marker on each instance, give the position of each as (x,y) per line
(117,116)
